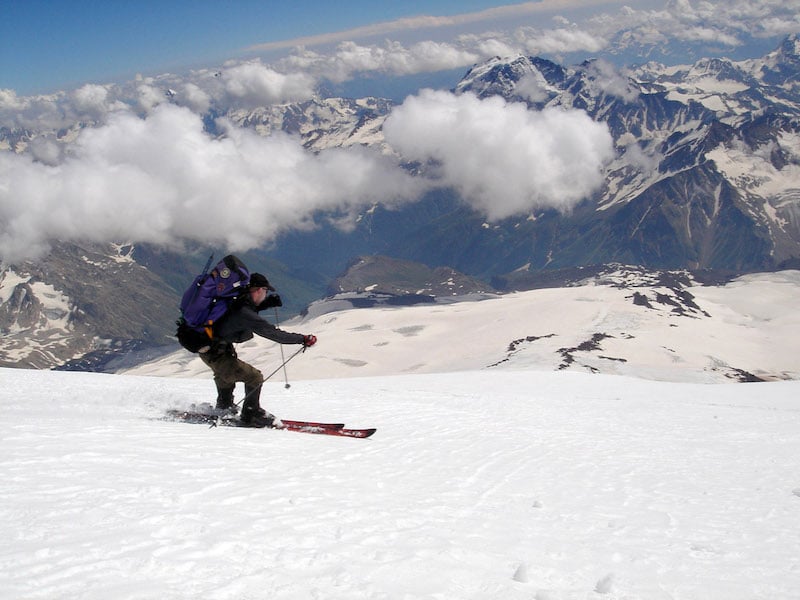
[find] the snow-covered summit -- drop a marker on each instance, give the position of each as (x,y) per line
(782,65)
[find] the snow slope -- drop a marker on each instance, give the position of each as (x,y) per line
(627,323)
(528,447)
(478,485)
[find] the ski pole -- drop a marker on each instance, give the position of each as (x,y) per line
(302,349)
(246,396)
(285,376)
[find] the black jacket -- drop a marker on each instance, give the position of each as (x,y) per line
(242,321)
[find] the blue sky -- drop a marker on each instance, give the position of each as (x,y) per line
(48,45)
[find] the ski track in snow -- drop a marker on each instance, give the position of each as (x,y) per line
(477,485)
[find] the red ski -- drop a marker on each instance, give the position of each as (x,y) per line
(229,420)
(321,428)
(289,423)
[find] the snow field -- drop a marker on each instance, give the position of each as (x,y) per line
(750,325)
(477,485)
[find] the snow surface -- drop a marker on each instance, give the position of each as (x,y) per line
(751,324)
(477,485)
(492,475)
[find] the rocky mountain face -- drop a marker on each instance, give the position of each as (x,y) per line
(81,307)
(706,176)
(384,275)
(322,122)
(708,167)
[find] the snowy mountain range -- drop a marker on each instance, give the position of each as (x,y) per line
(706,176)
(707,173)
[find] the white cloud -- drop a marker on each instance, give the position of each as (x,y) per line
(504,159)
(196,99)
(431,56)
(34,112)
(707,34)
(237,85)
(10,101)
(698,21)
(532,86)
(42,113)
(507,12)
(253,84)
(162,179)
(608,80)
(393,58)
(491,47)
(149,97)
(561,40)
(45,150)
(91,99)
(784,25)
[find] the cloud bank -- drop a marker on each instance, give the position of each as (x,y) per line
(162,179)
(504,159)
(621,28)
(509,11)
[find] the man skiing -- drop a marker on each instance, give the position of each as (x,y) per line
(239,324)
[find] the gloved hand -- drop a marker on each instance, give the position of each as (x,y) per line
(309,340)
(271,301)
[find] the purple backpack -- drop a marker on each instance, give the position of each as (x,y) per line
(207,299)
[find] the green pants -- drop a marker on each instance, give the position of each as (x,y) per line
(228,370)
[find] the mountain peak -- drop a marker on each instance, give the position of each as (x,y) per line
(781,66)
(496,76)
(790,47)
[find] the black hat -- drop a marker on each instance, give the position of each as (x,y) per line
(257,280)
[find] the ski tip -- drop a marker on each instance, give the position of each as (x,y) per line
(364,433)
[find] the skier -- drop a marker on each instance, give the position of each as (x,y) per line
(239,324)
